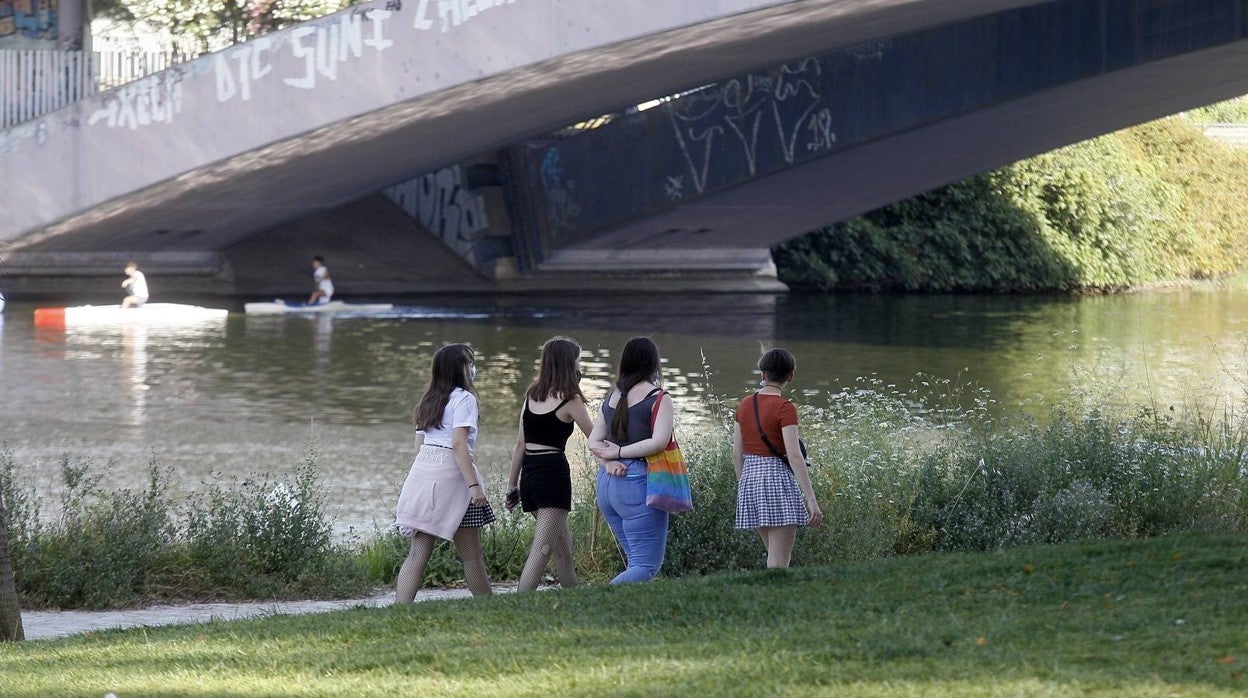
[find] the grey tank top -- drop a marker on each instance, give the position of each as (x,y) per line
(638,418)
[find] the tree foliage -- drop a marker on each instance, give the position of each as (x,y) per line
(1154,203)
(199,26)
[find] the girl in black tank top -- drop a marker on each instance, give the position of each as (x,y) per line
(540,479)
(545,429)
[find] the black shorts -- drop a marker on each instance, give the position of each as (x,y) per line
(545,482)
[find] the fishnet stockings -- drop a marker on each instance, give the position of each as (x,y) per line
(467,546)
(549,534)
(412,573)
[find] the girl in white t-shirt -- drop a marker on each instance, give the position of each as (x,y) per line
(444,496)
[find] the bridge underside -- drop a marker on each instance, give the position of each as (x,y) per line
(219,204)
(906,95)
(786,204)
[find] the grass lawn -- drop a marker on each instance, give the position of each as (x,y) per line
(1167,616)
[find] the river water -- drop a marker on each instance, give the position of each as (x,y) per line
(250,395)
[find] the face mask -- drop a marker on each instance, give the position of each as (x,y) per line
(472,372)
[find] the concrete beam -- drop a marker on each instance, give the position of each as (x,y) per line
(309,118)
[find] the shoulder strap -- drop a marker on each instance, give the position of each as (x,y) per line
(758,422)
(654,411)
(560,405)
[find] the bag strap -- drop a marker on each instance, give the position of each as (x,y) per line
(758,422)
(654,411)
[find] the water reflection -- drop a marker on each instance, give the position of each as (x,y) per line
(250,394)
(134,359)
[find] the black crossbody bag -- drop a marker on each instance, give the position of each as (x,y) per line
(758,422)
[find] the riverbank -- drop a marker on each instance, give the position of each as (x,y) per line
(1163,616)
(1150,204)
(890,479)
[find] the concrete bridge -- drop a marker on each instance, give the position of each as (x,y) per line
(439,144)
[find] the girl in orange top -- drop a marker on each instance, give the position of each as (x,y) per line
(774,494)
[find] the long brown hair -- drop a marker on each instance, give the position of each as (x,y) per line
(449,371)
(556,374)
(638,363)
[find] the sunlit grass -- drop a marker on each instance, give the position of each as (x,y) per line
(1163,616)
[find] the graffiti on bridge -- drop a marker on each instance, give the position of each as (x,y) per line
(451,13)
(30,19)
(154,99)
(733,115)
(561,204)
(442,202)
(317,48)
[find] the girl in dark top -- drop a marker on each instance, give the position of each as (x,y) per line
(540,479)
(625,425)
(774,494)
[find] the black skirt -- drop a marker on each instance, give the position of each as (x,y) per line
(545,482)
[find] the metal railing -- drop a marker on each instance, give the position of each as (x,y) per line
(37,82)
(33,83)
(116,68)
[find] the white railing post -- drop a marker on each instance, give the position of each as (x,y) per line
(33,83)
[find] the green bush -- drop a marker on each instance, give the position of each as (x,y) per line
(103,549)
(1155,203)
(259,534)
(261,539)
(896,470)
(1084,475)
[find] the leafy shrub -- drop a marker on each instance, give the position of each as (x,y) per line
(1150,204)
(896,470)
(103,548)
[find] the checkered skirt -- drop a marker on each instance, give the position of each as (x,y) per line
(477,516)
(768,495)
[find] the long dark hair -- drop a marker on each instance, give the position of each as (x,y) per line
(556,375)
(449,371)
(638,362)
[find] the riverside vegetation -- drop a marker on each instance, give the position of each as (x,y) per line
(1155,203)
(896,479)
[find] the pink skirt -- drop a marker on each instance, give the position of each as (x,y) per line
(434,496)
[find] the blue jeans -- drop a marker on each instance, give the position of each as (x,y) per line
(640,530)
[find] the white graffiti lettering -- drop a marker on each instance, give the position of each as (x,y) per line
(822,136)
(871,51)
(335,44)
(442,202)
(378,40)
(252,65)
(789,98)
(144,102)
(308,54)
(320,48)
(422,16)
(675,188)
(453,13)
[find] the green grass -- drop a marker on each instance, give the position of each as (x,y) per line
(1163,616)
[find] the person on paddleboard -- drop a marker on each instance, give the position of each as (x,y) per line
(135,285)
